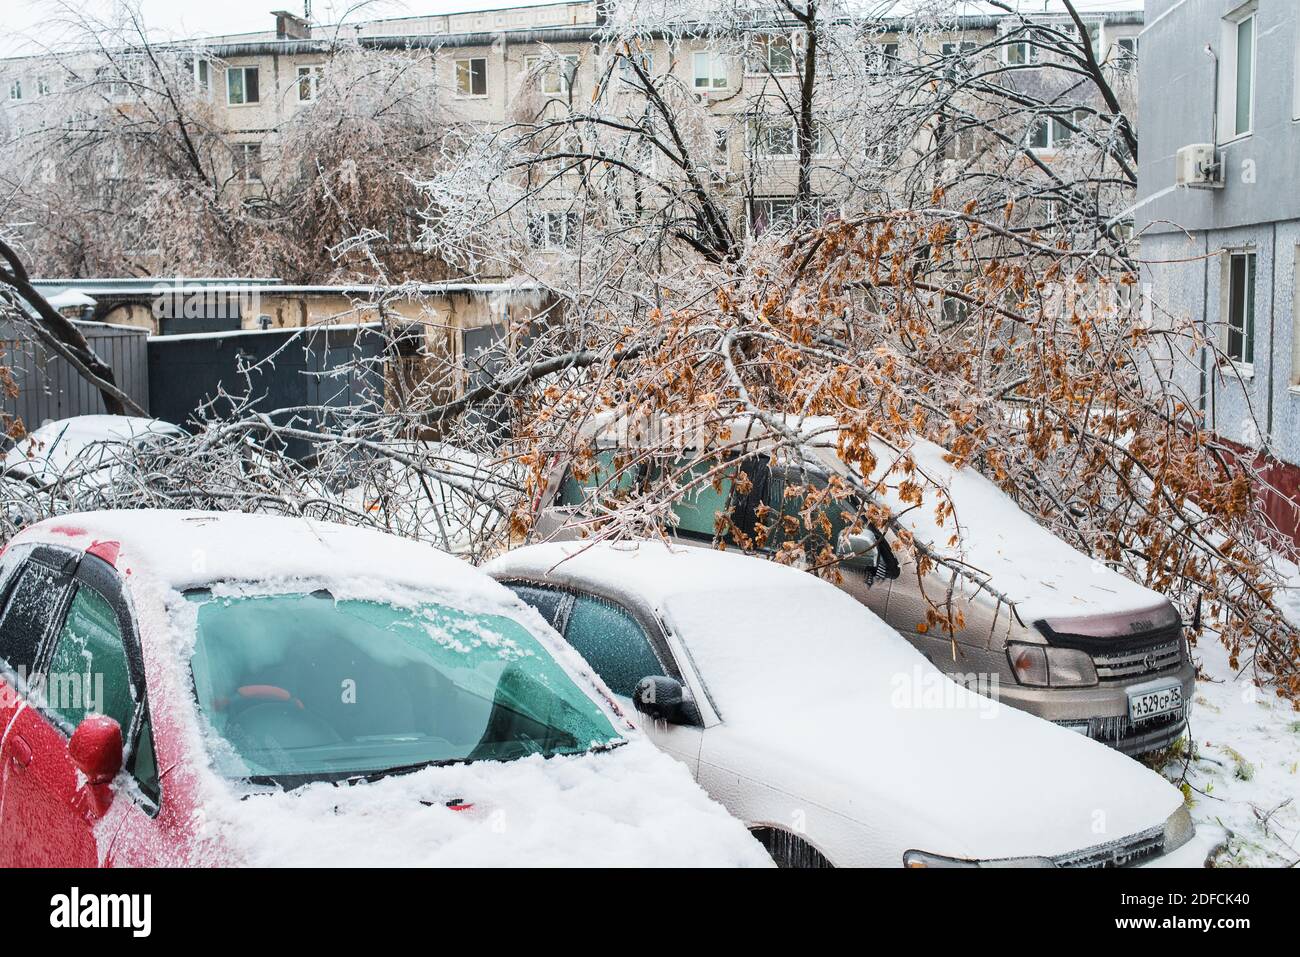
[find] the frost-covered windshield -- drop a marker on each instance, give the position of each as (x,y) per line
(302,686)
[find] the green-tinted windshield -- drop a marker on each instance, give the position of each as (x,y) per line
(304,686)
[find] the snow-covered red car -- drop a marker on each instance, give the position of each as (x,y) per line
(833,738)
(196,688)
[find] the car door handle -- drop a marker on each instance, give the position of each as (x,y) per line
(22,753)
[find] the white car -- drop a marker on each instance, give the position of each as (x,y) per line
(831,736)
(84,451)
(266,690)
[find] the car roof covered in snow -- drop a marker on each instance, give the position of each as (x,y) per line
(653,570)
(188,548)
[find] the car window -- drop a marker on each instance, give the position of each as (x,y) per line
(88,670)
(697,510)
(549,602)
(606,476)
(612,642)
(143,764)
(34,602)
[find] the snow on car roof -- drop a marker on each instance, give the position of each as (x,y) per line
(655,570)
(187,548)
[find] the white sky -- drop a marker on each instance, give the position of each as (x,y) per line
(34,23)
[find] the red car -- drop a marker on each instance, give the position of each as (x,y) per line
(193,688)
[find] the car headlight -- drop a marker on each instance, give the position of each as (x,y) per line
(1178,829)
(924,859)
(1043,666)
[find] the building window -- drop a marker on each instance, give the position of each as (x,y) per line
(200,70)
(43,87)
(554,74)
(771,53)
(241,85)
(628,65)
(1126,54)
(1240,332)
(882,59)
(248,162)
(784,213)
(1237,73)
(309,82)
(710,71)
(722,147)
(1020,52)
(471,77)
(553,229)
(1050,133)
(15,89)
(772,136)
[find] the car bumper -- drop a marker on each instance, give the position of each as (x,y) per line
(1101,712)
(1208,840)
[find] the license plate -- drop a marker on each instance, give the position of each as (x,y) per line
(1152,701)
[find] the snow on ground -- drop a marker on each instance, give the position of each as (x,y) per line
(1244,769)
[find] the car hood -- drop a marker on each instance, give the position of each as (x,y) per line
(631,806)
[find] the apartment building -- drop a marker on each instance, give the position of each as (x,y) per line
(485,65)
(1221,228)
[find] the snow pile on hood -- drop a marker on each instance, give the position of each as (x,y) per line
(1043,575)
(630,807)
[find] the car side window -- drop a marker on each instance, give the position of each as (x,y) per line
(34,602)
(608,475)
(698,509)
(549,602)
(88,669)
(143,763)
(612,642)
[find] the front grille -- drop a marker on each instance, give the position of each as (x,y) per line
(1139,662)
(1123,853)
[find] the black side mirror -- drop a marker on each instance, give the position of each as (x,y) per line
(664,699)
(858,549)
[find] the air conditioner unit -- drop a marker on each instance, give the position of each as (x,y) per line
(1198,166)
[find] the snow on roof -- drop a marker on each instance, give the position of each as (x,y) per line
(188,548)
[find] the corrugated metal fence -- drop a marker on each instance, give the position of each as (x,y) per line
(49,388)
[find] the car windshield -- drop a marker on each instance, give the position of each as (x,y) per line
(305,687)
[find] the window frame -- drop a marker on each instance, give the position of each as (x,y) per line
(242,167)
(468,63)
(1247,331)
(16,90)
(313,73)
(541,67)
(761,65)
(1229,77)
(715,69)
(243,70)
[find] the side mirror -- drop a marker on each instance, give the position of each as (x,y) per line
(96,749)
(858,549)
(664,699)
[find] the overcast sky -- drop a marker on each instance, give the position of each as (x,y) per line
(44,22)
(31,24)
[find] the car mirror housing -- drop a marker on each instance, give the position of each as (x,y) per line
(665,699)
(96,750)
(858,549)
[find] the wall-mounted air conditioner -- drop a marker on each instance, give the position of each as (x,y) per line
(1199,166)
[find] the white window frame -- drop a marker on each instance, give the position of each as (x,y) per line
(761,65)
(467,63)
(1126,57)
(1249,329)
(550,80)
(201,74)
(245,171)
(244,70)
(1228,61)
(313,73)
(714,70)
(1057,134)
(758,126)
(555,229)
(1030,54)
(43,87)
(884,58)
(16,89)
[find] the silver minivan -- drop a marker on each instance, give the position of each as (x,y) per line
(1042,626)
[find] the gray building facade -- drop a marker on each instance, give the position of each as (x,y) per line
(1225,258)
